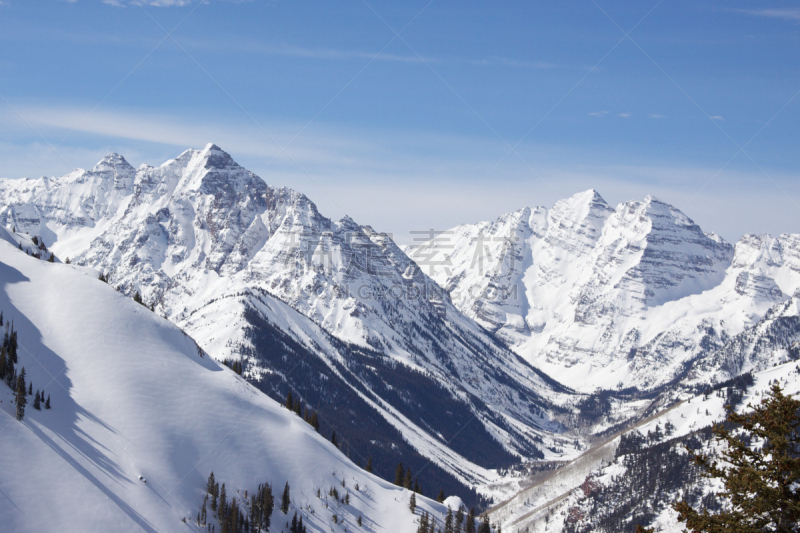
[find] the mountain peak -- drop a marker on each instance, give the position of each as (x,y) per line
(212,147)
(580,206)
(217,158)
(113,162)
(668,214)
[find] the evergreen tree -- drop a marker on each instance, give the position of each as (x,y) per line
(223,504)
(314,421)
(485,527)
(285,499)
(11,373)
(368,468)
(37,402)
(333,439)
(47,403)
(12,345)
(268,503)
(424,523)
(412,503)
(407,481)
(138,298)
(21,378)
(289,401)
(210,484)
(52,258)
(398,475)
(470,526)
(261,507)
(297,408)
(19,399)
(459,522)
(448,521)
(30,388)
(440,497)
(762,483)
(416,487)
(2,362)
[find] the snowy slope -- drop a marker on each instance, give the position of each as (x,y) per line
(133,396)
(611,298)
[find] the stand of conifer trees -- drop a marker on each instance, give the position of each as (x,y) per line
(231,514)
(15,381)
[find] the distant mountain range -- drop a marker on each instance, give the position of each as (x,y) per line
(489,344)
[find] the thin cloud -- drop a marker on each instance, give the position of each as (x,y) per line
(599,113)
(625,115)
(156,3)
(792,14)
(508,62)
(654,115)
(717,117)
(288,50)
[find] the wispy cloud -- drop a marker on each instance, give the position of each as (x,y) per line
(599,113)
(183,132)
(156,3)
(717,117)
(290,50)
(792,14)
(509,62)
(654,115)
(625,115)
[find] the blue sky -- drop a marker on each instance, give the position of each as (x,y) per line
(410,115)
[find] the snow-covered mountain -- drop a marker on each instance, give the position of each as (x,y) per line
(604,298)
(439,355)
(330,310)
(141,416)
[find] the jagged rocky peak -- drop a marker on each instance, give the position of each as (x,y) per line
(764,255)
(346,224)
(216,157)
(663,226)
(664,255)
(213,171)
(753,250)
(576,223)
(113,162)
(115,166)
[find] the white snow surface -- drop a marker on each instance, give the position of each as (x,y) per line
(132,396)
